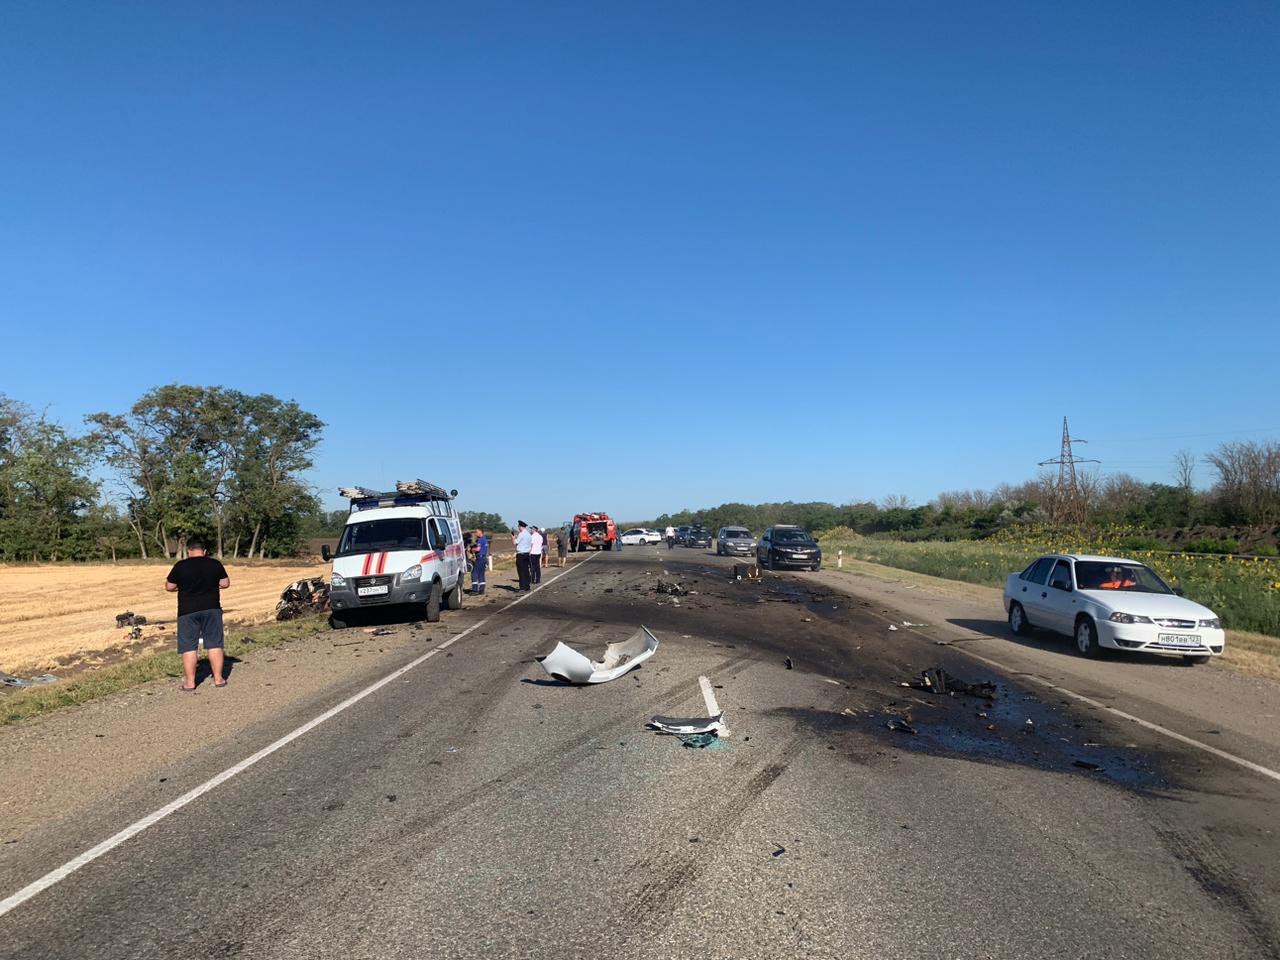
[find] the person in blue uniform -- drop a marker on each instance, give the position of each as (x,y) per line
(479,560)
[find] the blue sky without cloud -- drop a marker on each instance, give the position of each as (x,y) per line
(637,257)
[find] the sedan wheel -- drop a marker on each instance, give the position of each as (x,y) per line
(1087,638)
(1018,620)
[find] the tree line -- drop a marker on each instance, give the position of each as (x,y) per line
(1244,493)
(182,461)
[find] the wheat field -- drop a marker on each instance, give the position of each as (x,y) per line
(54,615)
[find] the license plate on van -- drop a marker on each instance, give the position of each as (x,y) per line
(1180,639)
(372,591)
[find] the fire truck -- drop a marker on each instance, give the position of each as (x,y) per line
(592,530)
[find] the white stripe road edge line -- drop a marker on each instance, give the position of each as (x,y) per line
(1154,727)
(106,846)
(713,708)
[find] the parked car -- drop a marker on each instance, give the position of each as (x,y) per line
(1111,603)
(698,536)
(732,541)
(638,536)
(682,531)
(788,546)
(655,536)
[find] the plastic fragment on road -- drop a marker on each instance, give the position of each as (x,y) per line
(892,627)
(900,725)
(686,725)
(567,664)
(712,724)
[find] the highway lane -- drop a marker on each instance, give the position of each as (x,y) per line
(474,808)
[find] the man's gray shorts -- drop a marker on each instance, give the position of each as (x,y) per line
(193,626)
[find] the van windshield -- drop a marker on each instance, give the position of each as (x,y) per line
(367,536)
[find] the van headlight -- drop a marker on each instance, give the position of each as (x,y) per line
(413,573)
(337,580)
(1128,618)
(1213,623)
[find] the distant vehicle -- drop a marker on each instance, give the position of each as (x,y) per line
(655,536)
(732,541)
(682,531)
(638,536)
(698,536)
(1111,603)
(399,548)
(592,530)
(787,546)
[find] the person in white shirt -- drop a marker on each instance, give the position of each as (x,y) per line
(671,537)
(524,543)
(536,544)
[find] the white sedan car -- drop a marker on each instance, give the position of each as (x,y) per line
(637,536)
(1111,603)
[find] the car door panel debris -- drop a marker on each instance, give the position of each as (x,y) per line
(567,664)
(900,725)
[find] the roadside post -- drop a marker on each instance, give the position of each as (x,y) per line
(839,558)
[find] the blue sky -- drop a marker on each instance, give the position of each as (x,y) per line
(649,256)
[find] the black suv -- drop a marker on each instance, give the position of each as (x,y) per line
(788,547)
(698,536)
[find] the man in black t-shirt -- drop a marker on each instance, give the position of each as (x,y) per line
(197,580)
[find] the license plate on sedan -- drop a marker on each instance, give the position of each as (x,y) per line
(1180,639)
(372,591)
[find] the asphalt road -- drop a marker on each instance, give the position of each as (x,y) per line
(474,808)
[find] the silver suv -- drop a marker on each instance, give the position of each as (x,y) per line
(735,540)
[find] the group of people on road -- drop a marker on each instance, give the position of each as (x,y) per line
(533,547)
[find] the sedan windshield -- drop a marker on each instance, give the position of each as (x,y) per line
(401,533)
(737,533)
(1129,577)
(791,536)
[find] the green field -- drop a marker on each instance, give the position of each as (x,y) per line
(1245,593)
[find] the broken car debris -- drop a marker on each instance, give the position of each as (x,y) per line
(567,664)
(302,597)
(130,619)
(9,680)
(936,680)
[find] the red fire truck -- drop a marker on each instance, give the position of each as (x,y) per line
(592,530)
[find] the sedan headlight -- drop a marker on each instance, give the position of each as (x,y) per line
(1213,623)
(413,573)
(1128,618)
(337,580)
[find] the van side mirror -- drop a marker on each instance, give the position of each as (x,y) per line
(324,553)
(1179,591)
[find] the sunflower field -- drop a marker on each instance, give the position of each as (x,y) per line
(1244,591)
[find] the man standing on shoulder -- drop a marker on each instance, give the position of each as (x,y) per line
(536,545)
(480,560)
(524,542)
(197,581)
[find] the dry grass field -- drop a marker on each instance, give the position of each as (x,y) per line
(57,615)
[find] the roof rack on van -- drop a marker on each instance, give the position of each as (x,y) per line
(408,493)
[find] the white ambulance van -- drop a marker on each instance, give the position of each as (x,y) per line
(403,548)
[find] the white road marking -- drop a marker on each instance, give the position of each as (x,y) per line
(106,846)
(1147,724)
(713,708)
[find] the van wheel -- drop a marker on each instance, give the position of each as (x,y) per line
(1018,620)
(453,599)
(433,603)
(338,623)
(1087,638)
